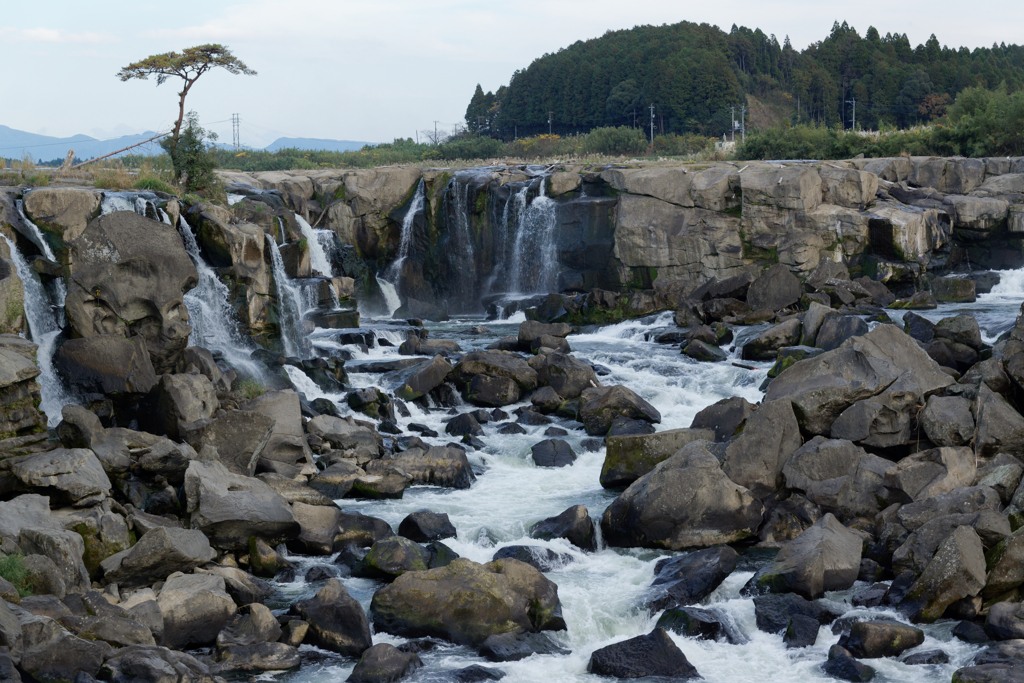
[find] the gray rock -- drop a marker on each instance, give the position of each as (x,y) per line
(956,571)
(600,406)
(391,557)
(773,612)
(687,580)
(512,647)
(532,329)
(837,475)
(961,329)
(425,526)
(159,553)
(836,329)
(107,364)
(965,500)
(574,525)
(384,663)
(230,508)
(931,473)
(336,620)
(25,511)
(651,655)
(881,421)
(421,379)
(344,434)
(631,456)
(181,400)
(44,576)
(258,658)
(142,270)
(755,458)
(726,417)
(153,664)
(195,607)
(947,420)
(825,557)
(50,652)
(253,624)
(1000,427)
(72,476)
(445,466)
(774,289)
(287,451)
(1005,621)
(566,375)
(238,439)
(686,501)
(65,548)
(885,359)
(553,453)
(766,345)
(917,551)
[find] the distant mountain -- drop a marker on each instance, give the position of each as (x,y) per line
(15,143)
(315,144)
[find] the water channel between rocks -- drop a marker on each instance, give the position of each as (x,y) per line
(601,592)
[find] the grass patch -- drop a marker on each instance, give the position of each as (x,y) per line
(12,568)
(251,388)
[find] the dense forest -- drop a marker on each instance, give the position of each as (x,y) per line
(694,73)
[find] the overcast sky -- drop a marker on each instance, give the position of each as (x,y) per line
(370,70)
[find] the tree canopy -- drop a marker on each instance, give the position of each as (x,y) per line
(693,74)
(188,65)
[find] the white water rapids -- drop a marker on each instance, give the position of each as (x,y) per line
(600,592)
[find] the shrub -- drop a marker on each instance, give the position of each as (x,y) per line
(251,388)
(193,161)
(154,184)
(620,141)
(12,568)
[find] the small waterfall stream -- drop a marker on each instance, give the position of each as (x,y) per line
(43,329)
(289,298)
(395,270)
(317,257)
(213,321)
(534,263)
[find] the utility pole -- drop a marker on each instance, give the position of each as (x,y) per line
(634,118)
(652,124)
(236,121)
(853,125)
(743,122)
(550,114)
(732,122)
(435,131)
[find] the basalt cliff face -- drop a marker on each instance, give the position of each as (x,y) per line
(494,230)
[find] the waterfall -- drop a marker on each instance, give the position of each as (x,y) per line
(395,271)
(390,292)
(317,257)
(289,300)
(60,289)
(534,263)
(43,329)
(213,321)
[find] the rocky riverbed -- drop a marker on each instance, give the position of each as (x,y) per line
(772,473)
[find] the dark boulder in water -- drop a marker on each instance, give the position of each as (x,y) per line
(651,655)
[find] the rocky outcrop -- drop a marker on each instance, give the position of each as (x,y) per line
(126,276)
(19,390)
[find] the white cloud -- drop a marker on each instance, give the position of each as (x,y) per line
(51,35)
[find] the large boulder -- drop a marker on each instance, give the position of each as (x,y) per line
(106,364)
(51,653)
(72,476)
(65,548)
(686,501)
(21,393)
(651,655)
(956,571)
(574,525)
(630,456)
(159,553)
(127,276)
(64,211)
(1000,427)
(847,186)
(774,289)
(931,473)
(336,620)
(181,400)
(153,664)
(230,508)
(421,379)
(384,663)
(947,420)
(881,421)
(838,476)
(195,607)
(825,557)
(532,329)
(755,458)
(920,546)
(497,364)
(287,452)
(445,466)
(344,434)
(766,345)
(236,439)
(884,360)
(687,580)
(566,375)
(392,557)
(599,407)
(498,597)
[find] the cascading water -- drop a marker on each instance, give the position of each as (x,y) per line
(213,321)
(534,264)
(289,299)
(60,289)
(395,270)
(461,254)
(317,258)
(391,298)
(42,326)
